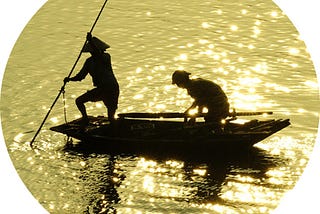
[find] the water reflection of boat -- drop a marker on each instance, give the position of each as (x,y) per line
(137,134)
(201,180)
(229,169)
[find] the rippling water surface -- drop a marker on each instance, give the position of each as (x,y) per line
(250,48)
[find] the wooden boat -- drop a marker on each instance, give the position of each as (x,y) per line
(155,132)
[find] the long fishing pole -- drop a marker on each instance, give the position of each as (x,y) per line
(64,84)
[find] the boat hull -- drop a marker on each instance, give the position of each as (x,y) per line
(137,135)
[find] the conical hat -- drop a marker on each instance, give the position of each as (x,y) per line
(98,43)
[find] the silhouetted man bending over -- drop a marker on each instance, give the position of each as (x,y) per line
(206,94)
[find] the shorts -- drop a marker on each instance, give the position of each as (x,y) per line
(108,96)
(216,114)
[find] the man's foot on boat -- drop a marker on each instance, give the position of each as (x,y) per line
(84,121)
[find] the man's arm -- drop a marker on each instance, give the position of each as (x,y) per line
(80,76)
(194,105)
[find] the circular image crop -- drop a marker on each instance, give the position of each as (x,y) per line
(161,158)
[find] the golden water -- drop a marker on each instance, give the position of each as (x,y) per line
(250,48)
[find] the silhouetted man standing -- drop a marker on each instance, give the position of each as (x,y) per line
(100,69)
